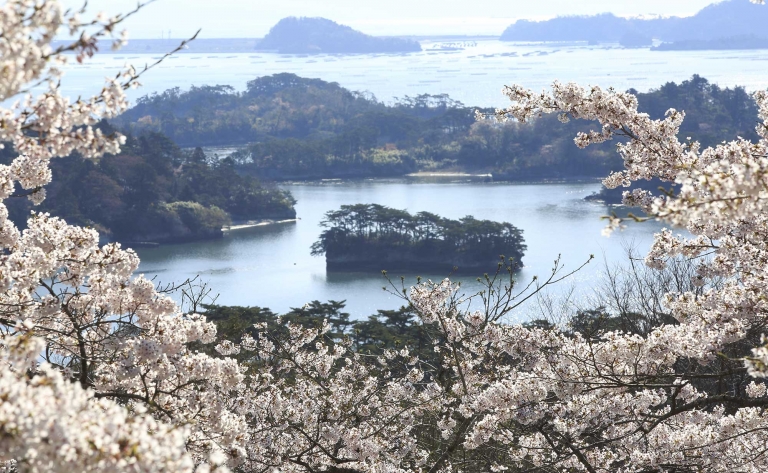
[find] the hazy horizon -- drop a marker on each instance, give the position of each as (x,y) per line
(237,19)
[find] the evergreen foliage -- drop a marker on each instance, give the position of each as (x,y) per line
(155,192)
(372,236)
(387,329)
(309,129)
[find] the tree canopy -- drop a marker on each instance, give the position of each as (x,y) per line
(365,236)
(298,128)
(152,191)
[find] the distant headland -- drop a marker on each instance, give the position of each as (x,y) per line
(303,35)
(733,24)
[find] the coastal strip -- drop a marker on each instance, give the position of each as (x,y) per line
(445,174)
(259,223)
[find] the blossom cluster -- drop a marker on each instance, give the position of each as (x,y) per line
(96,369)
(504,395)
(624,391)
(48,423)
(48,124)
(721,201)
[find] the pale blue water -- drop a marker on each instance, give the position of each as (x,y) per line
(474,76)
(271,266)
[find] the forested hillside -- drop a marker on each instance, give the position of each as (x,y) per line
(154,192)
(309,128)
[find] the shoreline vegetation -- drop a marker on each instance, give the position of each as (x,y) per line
(154,193)
(447,174)
(214,235)
(375,237)
(307,129)
(718,44)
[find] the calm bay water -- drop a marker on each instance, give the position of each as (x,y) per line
(271,266)
(474,75)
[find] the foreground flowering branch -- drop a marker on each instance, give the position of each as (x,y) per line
(625,402)
(51,424)
(484,395)
(97,373)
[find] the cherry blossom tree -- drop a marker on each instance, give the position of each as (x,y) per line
(97,374)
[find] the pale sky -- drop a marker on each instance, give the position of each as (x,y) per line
(253,18)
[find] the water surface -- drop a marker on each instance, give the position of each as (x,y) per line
(271,266)
(474,75)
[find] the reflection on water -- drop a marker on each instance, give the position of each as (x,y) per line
(271,266)
(217,251)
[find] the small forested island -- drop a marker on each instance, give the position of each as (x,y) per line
(376,237)
(719,20)
(302,35)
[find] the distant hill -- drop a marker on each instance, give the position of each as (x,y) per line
(294,35)
(298,128)
(732,18)
(604,27)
